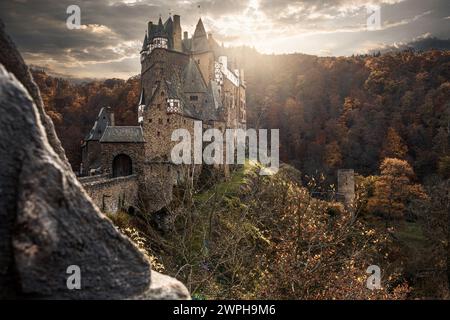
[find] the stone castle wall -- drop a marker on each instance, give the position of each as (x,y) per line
(113,195)
(134,150)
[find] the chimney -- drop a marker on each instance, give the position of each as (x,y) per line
(186,35)
(177,33)
(177,21)
(110,117)
(149,28)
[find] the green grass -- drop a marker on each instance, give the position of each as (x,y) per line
(227,187)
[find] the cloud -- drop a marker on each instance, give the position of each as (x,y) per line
(112,31)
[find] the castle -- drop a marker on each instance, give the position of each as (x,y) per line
(183,80)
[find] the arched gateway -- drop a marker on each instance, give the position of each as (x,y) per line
(122,166)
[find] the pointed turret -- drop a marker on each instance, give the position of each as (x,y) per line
(200,39)
(161,32)
(145,43)
(200,29)
(168,25)
(168,28)
(157,36)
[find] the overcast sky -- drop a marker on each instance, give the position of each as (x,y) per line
(112,31)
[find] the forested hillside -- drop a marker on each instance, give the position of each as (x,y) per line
(332,112)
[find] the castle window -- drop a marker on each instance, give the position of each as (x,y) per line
(159,106)
(162,93)
(160,121)
(168,120)
(184,121)
(168,168)
(158,134)
(149,120)
(193,98)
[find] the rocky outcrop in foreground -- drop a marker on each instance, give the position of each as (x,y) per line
(47,222)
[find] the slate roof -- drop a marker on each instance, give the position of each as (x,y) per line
(200,39)
(99,127)
(145,43)
(193,80)
(160,32)
(168,27)
(123,134)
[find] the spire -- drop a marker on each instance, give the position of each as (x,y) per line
(160,32)
(145,43)
(200,29)
(200,39)
(169,28)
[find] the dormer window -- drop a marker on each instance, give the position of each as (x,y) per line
(173,105)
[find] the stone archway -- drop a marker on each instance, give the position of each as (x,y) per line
(122,166)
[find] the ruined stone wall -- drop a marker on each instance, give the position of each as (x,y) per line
(113,195)
(346,186)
